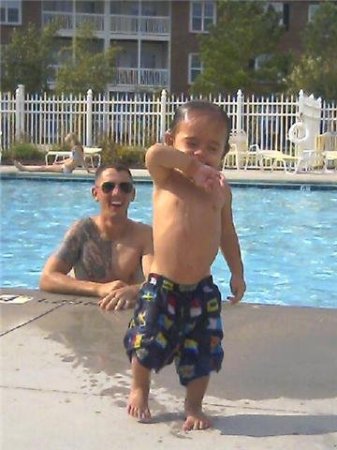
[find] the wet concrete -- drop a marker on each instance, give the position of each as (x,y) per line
(65,355)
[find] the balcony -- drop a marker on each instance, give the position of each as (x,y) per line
(68,21)
(130,79)
(140,25)
(123,26)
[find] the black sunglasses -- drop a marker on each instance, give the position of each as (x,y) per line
(109,186)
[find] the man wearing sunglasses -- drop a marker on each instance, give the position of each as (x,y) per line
(109,253)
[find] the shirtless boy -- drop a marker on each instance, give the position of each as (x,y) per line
(108,252)
(177,314)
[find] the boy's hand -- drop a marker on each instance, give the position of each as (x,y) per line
(206,177)
(238,288)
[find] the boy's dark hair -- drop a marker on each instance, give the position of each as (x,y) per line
(202,106)
(119,167)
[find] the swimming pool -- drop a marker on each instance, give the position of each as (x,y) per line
(288,237)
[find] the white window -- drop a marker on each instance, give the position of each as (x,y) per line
(58,6)
(10,12)
(283,11)
(202,15)
(278,7)
(260,60)
(195,67)
(312,10)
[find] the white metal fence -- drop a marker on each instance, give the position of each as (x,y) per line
(141,119)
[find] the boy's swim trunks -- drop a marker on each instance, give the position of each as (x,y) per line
(177,322)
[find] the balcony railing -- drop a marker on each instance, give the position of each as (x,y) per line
(130,79)
(143,78)
(67,20)
(140,24)
(126,25)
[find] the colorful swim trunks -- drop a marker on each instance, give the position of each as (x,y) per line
(180,323)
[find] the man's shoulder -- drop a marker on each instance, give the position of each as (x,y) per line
(141,227)
(141,231)
(84,225)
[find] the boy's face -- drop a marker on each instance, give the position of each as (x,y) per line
(200,135)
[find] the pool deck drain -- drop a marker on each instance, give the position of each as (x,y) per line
(65,380)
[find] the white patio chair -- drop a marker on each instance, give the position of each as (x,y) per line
(272,159)
(92,154)
(52,156)
(327,144)
(240,154)
(317,159)
(309,161)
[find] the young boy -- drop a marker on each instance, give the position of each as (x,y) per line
(177,314)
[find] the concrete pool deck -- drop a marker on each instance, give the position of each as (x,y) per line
(65,377)
(65,380)
(253,177)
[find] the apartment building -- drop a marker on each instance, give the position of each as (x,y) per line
(158,40)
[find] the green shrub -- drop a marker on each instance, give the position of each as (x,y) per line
(131,156)
(24,152)
(109,147)
(111,152)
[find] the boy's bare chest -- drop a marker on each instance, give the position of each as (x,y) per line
(185,197)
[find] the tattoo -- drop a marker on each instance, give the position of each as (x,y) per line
(85,250)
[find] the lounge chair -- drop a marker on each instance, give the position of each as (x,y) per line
(319,159)
(90,153)
(327,144)
(240,155)
(273,159)
(310,160)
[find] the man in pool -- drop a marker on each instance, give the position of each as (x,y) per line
(109,253)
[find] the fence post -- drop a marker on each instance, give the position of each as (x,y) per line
(239,102)
(19,112)
(163,100)
(88,139)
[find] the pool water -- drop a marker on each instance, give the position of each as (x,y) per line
(288,237)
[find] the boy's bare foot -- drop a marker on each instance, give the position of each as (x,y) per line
(139,395)
(138,404)
(19,166)
(195,419)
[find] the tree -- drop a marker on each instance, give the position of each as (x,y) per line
(28,59)
(245,31)
(85,68)
(316,71)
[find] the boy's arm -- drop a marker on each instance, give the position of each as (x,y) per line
(230,248)
(160,159)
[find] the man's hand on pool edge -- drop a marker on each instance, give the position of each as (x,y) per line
(119,298)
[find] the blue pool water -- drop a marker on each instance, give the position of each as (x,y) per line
(288,237)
